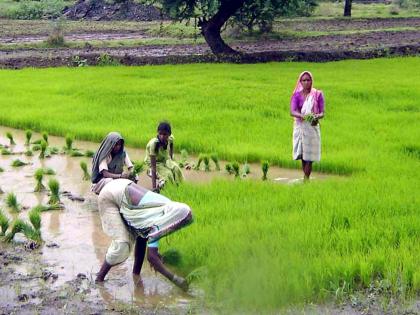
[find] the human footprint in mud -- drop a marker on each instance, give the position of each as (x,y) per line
(129,211)
(109,161)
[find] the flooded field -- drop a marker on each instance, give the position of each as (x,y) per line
(74,245)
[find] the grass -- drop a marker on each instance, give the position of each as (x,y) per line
(262,246)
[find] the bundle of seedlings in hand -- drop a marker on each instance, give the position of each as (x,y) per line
(55,192)
(229,168)
(39,175)
(4,151)
(310,118)
(11,202)
(89,153)
(45,136)
(215,158)
(138,167)
(264,166)
(206,160)
(18,163)
(48,171)
(69,143)
(28,134)
(43,149)
(235,167)
(10,137)
(246,169)
(200,159)
(83,166)
(4,223)
(184,158)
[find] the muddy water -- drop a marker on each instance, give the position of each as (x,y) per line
(74,241)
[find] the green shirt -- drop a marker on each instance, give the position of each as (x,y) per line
(162,155)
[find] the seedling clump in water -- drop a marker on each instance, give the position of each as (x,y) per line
(215,158)
(4,223)
(45,137)
(28,134)
(4,151)
(235,167)
(86,175)
(55,191)
(89,153)
(43,149)
(264,166)
(69,143)
(18,163)
(200,159)
(11,202)
(229,168)
(206,160)
(39,175)
(10,137)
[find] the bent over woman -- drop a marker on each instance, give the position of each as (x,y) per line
(307,106)
(131,212)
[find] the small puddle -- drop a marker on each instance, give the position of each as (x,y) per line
(74,240)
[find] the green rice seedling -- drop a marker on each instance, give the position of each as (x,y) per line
(197,274)
(48,171)
(36,147)
(54,150)
(37,141)
(83,166)
(18,226)
(229,168)
(12,203)
(76,153)
(184,156)
(1,169)
(45,137)
(39,175)
(4,223)
(35,218)
(10,137)
(206,160)
(138,167)
(29,152)
(235,167)
(172,257)
(265,166)
(245,169)
(200,160)
(54,186)
(4,151)
(215,158)
(43,208)
(28,135)
(43,149)
(89,153)
(69,143)
(18,163)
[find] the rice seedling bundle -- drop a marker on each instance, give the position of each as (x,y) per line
(45,137)
(12,203)
(48,171)
(235,167)
(264,167)
(206,160)
(76,153)
(39,175)
(54,186)
(35,218)
(18,163)
(89,153)
(43,149)
(215,158)
(138,167)
(200,160)
(83,166)
(4,223)
(29,153)
(69,143)
(28,135)
(4,151)
(36,147)
(10,137)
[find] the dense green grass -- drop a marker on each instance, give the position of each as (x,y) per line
(264,246)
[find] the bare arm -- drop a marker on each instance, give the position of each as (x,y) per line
(296,114)
(153,165)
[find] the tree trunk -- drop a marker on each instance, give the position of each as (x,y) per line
(211,28)
(347,8)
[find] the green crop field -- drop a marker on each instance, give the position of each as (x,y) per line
(256,245)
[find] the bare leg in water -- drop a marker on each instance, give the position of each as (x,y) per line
(307,169)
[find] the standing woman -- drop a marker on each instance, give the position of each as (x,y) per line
(109,161)
(307,106)
(159,158)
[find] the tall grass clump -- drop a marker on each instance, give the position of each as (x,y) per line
(39,175)
(28,136)
(83,166)
(12,203)
(44,146)
(4,223)
(54,186)
(10,137)
(264,167)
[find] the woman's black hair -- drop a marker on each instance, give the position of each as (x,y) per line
(164,126)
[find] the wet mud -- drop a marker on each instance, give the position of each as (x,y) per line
(364,45)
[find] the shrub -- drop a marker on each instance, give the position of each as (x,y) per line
(35,10)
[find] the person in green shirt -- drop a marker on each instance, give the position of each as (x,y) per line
(159,158)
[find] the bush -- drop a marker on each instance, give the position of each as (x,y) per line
(34,10)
